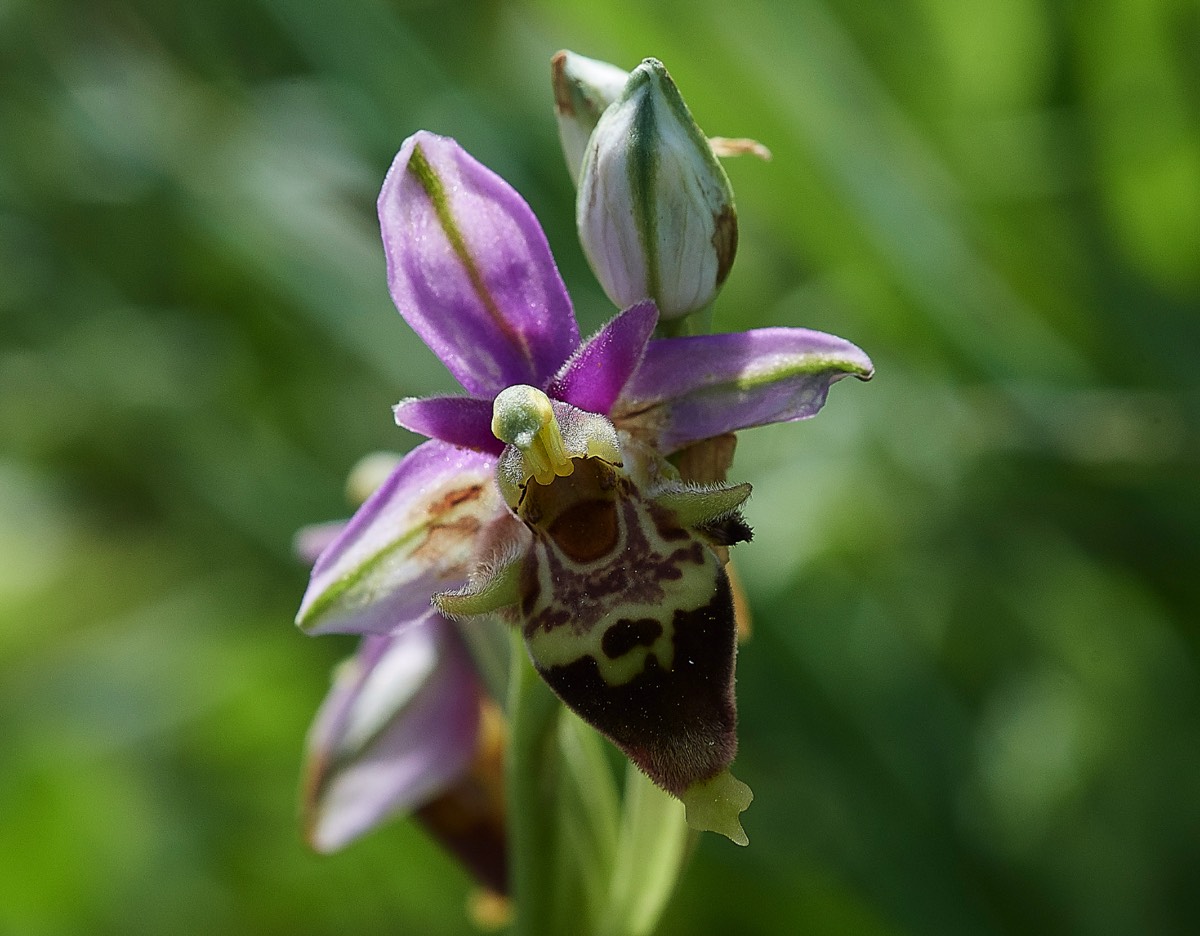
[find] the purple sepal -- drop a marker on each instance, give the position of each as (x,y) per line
(599,369)
(689,389)
(470,270)
(465,421)
(416,535)
(399,726)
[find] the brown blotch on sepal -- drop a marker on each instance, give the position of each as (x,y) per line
(725,241)
(562,88)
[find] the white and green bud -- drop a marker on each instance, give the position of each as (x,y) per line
(583,89)
(655,209)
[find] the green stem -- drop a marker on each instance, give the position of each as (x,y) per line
(697,323)
(650,854)
(591,816)
(489,646)
(532,783)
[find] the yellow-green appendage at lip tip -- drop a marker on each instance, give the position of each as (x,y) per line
(714,806)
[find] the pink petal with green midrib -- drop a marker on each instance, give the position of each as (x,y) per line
(470,270)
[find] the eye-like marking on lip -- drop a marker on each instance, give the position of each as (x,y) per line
(587,531)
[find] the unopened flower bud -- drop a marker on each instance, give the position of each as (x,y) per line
(583,89)
(655,208)
(368,474)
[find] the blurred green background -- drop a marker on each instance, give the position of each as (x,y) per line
(971,704)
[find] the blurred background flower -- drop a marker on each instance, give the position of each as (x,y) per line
(971,703)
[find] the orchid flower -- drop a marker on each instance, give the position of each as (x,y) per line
(545,493)
(405,728)
(399,726)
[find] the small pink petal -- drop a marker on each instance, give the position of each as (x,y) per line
(599,369)
(464,421)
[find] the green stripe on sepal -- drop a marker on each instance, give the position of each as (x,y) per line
(341,590)
(643,176)
(432,183)
(754,378)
